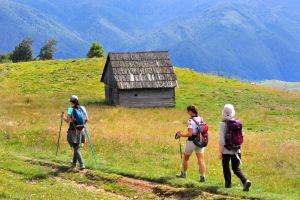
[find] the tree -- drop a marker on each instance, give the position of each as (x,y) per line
(95,51)
(4,58)
(48,50)
(22,52)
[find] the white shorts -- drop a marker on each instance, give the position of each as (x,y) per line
(190,147)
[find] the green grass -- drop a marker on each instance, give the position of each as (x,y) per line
(22,180)
(139,142)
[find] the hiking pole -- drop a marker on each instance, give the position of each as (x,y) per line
(179,142)
(59,132)
(91,145)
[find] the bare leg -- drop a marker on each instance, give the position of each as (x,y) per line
(185,162)
(201,163)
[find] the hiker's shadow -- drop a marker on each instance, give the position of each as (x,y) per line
(182,192)
(164,179)
(61,169)
(186,193)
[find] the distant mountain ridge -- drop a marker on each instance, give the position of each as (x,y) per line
(254,40)
(290,86)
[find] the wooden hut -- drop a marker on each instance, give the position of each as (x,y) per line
(139,79)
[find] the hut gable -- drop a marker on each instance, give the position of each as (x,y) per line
(140,70)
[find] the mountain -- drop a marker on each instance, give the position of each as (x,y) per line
(290,86)
(252,40)
(19,21)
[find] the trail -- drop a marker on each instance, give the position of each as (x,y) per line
(90,188)
(152,189)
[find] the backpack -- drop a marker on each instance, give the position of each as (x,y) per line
(201,139)
(234,134)
(78,118)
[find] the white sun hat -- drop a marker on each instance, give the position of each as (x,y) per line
(228,111)
(73,98)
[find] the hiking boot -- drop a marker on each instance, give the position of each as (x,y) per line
(181,175)
(82,167)
(227,185)
(73,165)
(247,185)
(202,179)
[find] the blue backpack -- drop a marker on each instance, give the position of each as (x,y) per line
(78,118)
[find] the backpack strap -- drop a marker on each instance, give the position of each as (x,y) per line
(196,121)
(72,115)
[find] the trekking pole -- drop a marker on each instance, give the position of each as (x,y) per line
(179,142)
(59,133)
(91,145)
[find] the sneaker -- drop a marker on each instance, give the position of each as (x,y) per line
(82,167)
(228,186)
(181,175)
(73,165)
(247,185)
(202,179)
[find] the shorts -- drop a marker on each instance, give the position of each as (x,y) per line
(190,147)
(75,137)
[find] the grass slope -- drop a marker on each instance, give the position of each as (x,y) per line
(140,142)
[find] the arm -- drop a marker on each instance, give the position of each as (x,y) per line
(87,118)
(189,133)
(66,119)
(221,139)
(86,115)
(220,151)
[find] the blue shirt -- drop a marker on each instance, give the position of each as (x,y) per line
(70,110)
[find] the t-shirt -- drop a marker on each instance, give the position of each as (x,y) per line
(193,125)
(69,112)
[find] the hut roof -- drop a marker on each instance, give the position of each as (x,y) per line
(141,70)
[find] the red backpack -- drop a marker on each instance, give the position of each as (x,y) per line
(234,134)
(201,139)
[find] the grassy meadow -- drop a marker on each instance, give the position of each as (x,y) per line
(140,142)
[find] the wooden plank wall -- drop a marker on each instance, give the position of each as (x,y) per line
(109,77)
(147,97)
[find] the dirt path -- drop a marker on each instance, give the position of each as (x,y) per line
(90,188)
(152,189)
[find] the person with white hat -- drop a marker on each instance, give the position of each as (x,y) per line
(76,135)
(234,154)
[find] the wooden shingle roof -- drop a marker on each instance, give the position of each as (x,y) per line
(141,70)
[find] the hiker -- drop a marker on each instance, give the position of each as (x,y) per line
(77,117)
(231,139)
(190,146)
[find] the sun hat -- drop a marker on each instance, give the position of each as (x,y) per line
(228,111)
(73,98)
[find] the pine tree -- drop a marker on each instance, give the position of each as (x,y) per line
(22,52)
